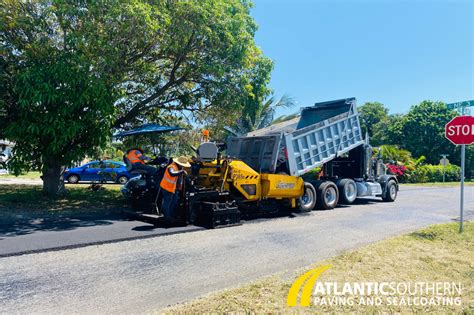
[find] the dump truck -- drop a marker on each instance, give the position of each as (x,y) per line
(312,162)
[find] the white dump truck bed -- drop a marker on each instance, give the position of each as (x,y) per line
(323,132)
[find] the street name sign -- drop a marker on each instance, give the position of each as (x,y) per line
(460,104)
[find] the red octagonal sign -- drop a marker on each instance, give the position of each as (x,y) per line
(460,130)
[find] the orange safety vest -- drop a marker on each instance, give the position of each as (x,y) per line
(169,182)
(133,157)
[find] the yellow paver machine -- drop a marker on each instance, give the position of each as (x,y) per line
(273,170)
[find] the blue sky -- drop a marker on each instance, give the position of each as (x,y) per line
(395,52)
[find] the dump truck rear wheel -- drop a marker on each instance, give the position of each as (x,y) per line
(347,190)
(390,192)
(328,196)
(307,202)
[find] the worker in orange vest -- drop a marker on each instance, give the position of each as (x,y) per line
(137,158)
(171,185)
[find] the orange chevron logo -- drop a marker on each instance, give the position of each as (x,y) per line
(306,281)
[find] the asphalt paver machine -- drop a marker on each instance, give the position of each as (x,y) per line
(313,162)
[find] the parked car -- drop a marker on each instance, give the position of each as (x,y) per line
(110,171)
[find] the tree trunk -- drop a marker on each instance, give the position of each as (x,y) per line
(53,178)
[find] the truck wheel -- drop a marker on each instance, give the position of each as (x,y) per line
(390,192)
(348,190)
(308,200)
(328,195)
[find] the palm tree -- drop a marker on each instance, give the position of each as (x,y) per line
(260,116)
(285,118)
(393,152)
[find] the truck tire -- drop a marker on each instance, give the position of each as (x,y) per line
(327,195)
(347,190)
(390,192)
(307,202)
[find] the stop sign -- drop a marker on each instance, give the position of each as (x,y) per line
(460,130)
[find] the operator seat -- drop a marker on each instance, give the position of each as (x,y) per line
(207,151)
(131,170)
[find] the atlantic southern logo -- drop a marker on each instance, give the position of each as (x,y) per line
(305,284)
(373,293)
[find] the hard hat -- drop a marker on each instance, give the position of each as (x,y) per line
(182,160)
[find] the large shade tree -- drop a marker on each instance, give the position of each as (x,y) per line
(259,104)
(73,70)
(423,131)
(372,113)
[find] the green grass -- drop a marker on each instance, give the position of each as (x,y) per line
(29,175)
(437,253)
(28,198)
(440,184)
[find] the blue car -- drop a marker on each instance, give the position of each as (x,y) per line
(96,170)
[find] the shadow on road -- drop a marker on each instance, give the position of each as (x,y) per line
(23,225)
(366,201)
(143,228)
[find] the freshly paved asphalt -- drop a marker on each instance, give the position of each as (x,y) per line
(148,274)
(73,233)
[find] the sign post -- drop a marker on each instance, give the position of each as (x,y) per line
(460,131)
(463,161)
(444,161)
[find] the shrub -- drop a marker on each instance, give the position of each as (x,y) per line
(398,170)
(393,153)
(313,174)
(434,173)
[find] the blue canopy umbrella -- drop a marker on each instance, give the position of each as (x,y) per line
(146,129)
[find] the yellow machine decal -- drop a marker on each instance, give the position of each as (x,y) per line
(252,185)
(281,186)
(245,180)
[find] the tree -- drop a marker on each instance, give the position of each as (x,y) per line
(255,81)
(285,118)
(72,70)
(261,115)
(390,153)
(58,105)
(371,113)
(423,131)
(388,130)
(201,61)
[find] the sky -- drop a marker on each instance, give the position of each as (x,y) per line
(398,53)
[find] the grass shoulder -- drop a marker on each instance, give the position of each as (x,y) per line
(439,184)
(15,199)
(435,254)
(29,175)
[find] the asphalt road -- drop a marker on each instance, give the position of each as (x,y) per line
(19,239)
(148,274)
